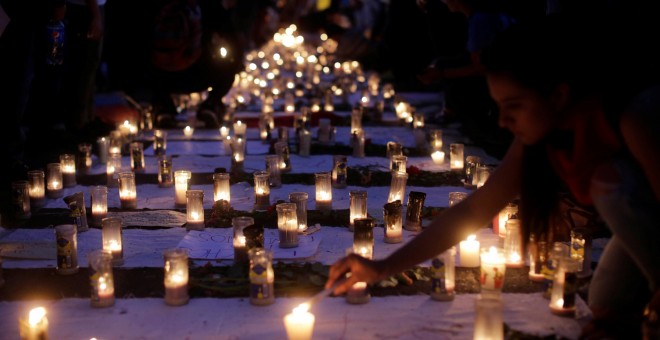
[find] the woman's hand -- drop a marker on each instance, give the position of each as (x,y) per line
(361,269)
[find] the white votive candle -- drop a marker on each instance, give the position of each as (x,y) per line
(469,252)
(299,323)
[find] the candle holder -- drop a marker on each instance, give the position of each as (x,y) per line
(499,222)
(55,181)
(66,241)
(357,141)
(538,259)
(358,206)
(68,164)
(456,196)
(37,188)
(165,175)
(240,245)
(176,277)
(469,252)
(399,163)
(84,157)
(393,216)
(482,175)
(195,210)
(513,247)
(35,327)
(261,190)
(265,127)
(438,157)
(443,278)
(99,204)
(20,200)
(339,171)
(300,200)
(112,169)
(414,211)
(397,186)
(418,121)
(181,185)
(160,142)
(564,287)
(103,145)
(262,277)
(488,320)
(456,156)
(221,187)
(101,279)
(283,134)
(226,143)
(559,251)
(188,132)
(323,191)
(581,250)
(471,164)
(113,241)
(493,269)
(287,224)
(238,155)
(325,131)
(127,190)
(289,102)
(305,138)
(282,150)
(356,119)
(363,237)
(436,139)
(240,129)
(273,163)
(116,143)
(393,149)
(137,157)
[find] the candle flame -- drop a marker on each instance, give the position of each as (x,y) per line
(223,52)
(492,250)
(472,237)
(560,303)
(302,308)
(36,315)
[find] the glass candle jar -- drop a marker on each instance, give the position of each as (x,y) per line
(580,250)
(176,276)
(68,166)
(414,211)
(238,154)
(112,169)
(538,258)
(564,287)
(188,132)
(399,163)
(513,246)
(99,196)
(165,174)
(357,206)
(471,164)
(262,277)
(393,149)
(300,200)
(84,157)
(273,163)
(103,145)
(499,222)
(282,150)
(493,268)
(339,171)
(137,157)
(356,119)
(357,141)
(221,187)
(287,225)
(323,191)
(393,216)
(482,175)
(436,139)
(195,210)
(324,131)
(160,142)
(101,278)
(265,125)
(20,197)
(127,190)
(37,188)
(240,129)
(456,156)
(397,186)
(418,120)
(261,190)
(283,134)
(305,138)
(35,326)
(443,282)
(116,143)
(363,237)
(66,241)
(456,196)
(113,240)
(54,182)
(240,246)
(181,185)
(488,320)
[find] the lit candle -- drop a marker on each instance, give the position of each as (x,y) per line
(469,252)
(240,129)
(188,131)
(181,185)
(176,277)
(513,244)
(239,223)
(195,210)
(493,269)
(357,206)
(287,225)
(323,191)
(438,157)
(564,287)
(392,214)
(112,167)
(36,325)
(261,190)
(223,52)
(37,188)
(111,233)
(299,323)
(99,204)
(103,145)
(456,156)
(262,277)
(101,279)
(358,293)
(488,323)
(363,237)
(300,200)
(68,163)
(224,132)
(221,187)
(397,186)
(499,222)
(127,190)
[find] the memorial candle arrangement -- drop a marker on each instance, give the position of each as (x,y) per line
(137,157)
(488,319)
(262,277)
(299,324)
(493,269)
(84,157)
(469,252)
(300,200)
(564,287)
(181,185)
(103,145)
(165,174)
(160,142)
(414,211)
(239,223)
(456,156)
(37,188)
(397,186)
(282,150)
(499,222)
(339,171)
(54,181)
(35,327)
(195,210)
(112,168)
(287,225)
(323,191)
(113,240)
(221,187)
(68,164)
(261,190)
(443,276)
(66,241)
(101,279)
(127,190)
(513,246)
(176,276)
(393,218)
(20,200)
(99,196)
